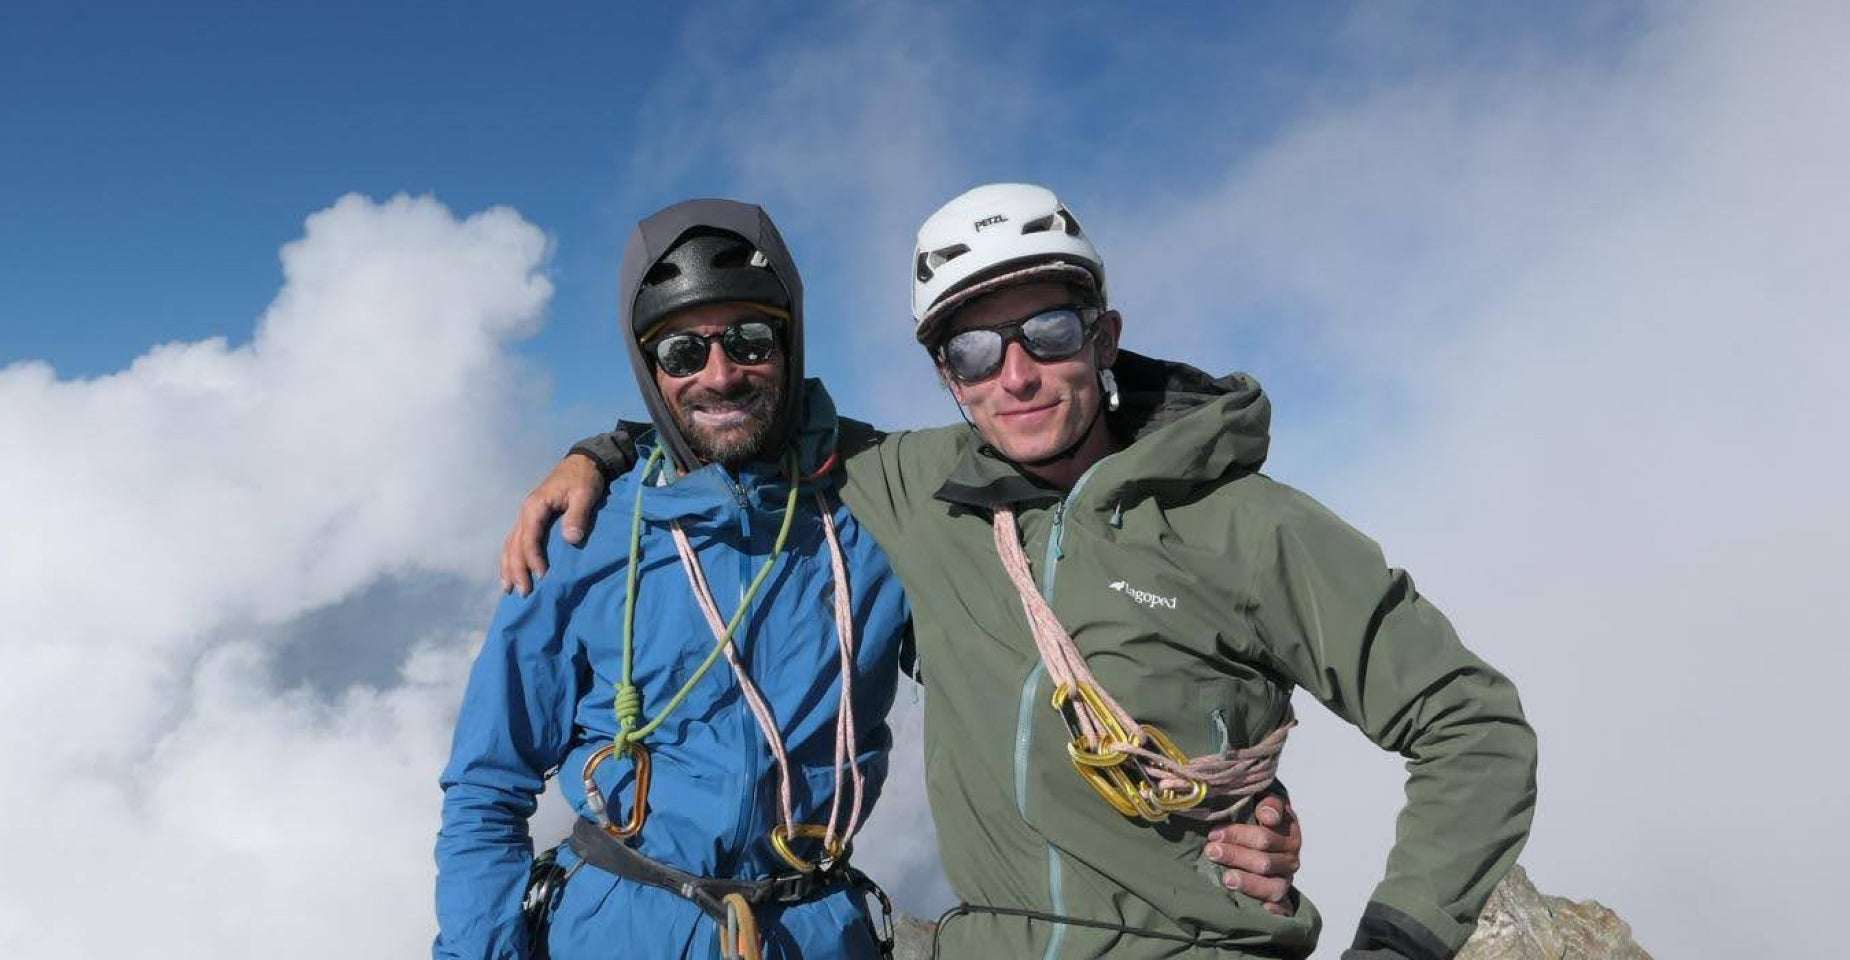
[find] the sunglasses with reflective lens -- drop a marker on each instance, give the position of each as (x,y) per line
(684,354)
(1049,336)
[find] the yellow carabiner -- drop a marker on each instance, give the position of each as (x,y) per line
(1083,749)
(833,851)
(1112,785)
(594,797)
(1171,800)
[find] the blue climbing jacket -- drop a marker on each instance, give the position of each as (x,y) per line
(541,698)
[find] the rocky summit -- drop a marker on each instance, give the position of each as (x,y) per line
(1521,923)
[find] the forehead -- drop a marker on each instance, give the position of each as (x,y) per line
(1010,303)
(707,318)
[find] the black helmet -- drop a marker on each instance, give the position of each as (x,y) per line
(706,266)
(710,251)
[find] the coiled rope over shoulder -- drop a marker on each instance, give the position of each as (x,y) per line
(1134,766)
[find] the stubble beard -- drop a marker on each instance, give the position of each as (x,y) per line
(735,445)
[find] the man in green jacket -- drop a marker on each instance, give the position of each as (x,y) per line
(1112,606)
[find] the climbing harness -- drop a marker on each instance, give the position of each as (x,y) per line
(730,903)
(1135,767)
(545,882)
(830,840)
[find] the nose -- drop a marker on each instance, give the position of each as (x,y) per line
(1020,374)
(720,374)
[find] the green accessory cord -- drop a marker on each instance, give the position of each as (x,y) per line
(629,699)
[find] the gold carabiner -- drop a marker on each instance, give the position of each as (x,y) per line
(740,941)
(1166,799)
(1084,749)
(639,809)
(1114,787)
(833,851)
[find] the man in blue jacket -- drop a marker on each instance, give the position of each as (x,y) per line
(710,673)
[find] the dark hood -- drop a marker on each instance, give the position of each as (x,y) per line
(647,243)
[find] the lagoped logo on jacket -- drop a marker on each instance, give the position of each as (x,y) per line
(1144,597)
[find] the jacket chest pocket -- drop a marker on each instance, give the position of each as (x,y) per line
(1238,711)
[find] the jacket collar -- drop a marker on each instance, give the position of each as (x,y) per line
(1180,427)
(712,492)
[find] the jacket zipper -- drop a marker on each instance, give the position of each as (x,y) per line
(749,734)
(1024,723)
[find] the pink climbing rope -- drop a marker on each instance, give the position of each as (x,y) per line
(1232,777)
(844,716)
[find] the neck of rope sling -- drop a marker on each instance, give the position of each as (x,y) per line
(832,837)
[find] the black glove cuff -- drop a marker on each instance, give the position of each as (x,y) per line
(1388,934)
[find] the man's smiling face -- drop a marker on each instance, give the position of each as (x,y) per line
(1030,410)
(725,410)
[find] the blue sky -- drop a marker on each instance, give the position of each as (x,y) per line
(157,156)
(1548,299)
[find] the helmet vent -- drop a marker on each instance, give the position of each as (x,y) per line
(660,273)
(930,262)
(1046,224)
(733,257)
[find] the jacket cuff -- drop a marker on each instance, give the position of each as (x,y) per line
(613,453)
(1386,933)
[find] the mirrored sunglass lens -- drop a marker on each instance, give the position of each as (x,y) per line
(974,354)
(681,354)
(1054,335)
(750,342)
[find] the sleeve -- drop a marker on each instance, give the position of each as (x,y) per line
(514,727)
(613,452)
(1358,636)
(890,478)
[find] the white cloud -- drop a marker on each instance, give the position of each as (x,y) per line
(164,523)
(1584,319)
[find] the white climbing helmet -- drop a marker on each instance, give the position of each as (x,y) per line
(994,236)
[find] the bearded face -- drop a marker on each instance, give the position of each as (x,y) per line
(730,426)
(727,408)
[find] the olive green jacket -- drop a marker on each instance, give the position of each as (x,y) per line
(1201,592)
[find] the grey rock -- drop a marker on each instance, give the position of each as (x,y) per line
(1519,923)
